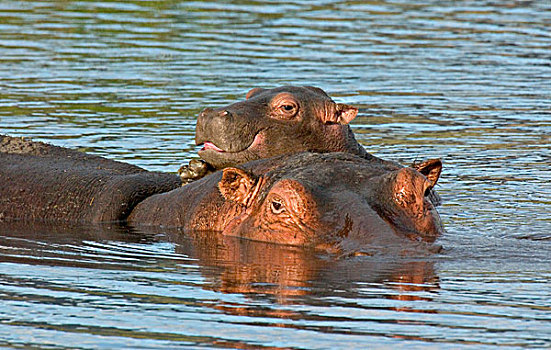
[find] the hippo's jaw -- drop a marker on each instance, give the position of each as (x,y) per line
(211,146)
(219,157)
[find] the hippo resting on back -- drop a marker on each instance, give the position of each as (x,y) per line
(272,122)
(322,200)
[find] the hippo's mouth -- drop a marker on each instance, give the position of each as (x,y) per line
(210,146)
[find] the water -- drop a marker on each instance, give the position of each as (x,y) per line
(466,81)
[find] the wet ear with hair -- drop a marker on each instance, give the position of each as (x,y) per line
(343,114)
(431,169)
(409,189)
(346,113)
(411,194)
(236,185)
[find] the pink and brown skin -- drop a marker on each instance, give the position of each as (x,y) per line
(332,201)
(272,122)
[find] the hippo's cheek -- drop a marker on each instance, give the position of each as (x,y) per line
(258,144)
(254,228)
(234,227)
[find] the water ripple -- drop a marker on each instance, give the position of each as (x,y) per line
(463,81)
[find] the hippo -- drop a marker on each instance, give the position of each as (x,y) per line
(43,182)
(323,200)
(272,122)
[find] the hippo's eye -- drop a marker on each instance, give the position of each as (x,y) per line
(286,111)
(284,106)
(277,206)
(288,108)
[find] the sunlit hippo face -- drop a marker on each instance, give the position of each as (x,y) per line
(309,205)
(286,214)
(271,122)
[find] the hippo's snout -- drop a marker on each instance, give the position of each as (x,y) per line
(214,125)
(213,113)
(227,135)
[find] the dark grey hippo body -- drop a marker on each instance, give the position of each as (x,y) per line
(44,182)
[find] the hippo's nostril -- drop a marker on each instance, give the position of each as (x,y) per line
(204,112)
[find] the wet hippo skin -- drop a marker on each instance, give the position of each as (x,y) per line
(307,199)
(272,122)
(303,199)
(44,182)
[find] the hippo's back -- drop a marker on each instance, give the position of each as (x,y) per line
(41,182)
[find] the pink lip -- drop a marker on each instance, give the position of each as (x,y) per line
(212,146)
(258,139)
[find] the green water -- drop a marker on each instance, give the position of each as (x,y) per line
(465,81)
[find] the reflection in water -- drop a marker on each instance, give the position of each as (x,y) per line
(260,271)
(115,282)
(229,264)
(249,267)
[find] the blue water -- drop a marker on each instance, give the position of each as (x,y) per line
(465,81)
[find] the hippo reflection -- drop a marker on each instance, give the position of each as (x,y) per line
(329,201)
(234,265)
(228,264)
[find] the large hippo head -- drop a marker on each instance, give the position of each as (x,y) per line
(272,122)
(307,199)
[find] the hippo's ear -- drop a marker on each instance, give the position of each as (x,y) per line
(413,209)
(410,188)
(253,92)
(431,169)
(236,185)
(344,114)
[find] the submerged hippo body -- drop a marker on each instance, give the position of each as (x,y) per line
(44,182)
(283,120)
(308,199)
(303,199)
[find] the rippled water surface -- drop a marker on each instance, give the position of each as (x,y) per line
(466,81)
